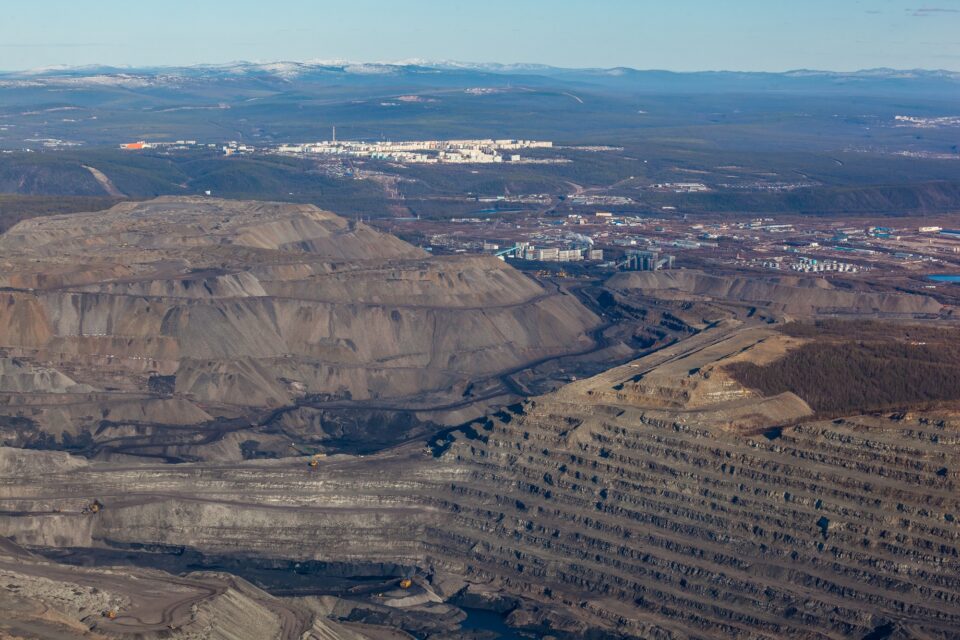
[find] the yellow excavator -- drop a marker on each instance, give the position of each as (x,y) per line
(406,583)
(110,614)
(315,460)
(94,507)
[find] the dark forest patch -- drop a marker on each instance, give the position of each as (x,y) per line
(852,367)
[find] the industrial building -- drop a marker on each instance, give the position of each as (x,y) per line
(646,261)
(481,151)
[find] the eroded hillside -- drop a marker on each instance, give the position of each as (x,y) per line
(189,311)
(782,295)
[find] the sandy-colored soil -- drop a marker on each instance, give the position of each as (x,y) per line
(690,380)
(105,182)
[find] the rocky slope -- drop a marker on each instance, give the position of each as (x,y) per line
(656,500)
(181,310)
(42,599)
(796,296)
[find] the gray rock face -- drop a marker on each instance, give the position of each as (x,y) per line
(42,599)
(597,509)
(230,308)
(786,294)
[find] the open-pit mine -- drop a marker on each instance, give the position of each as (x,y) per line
(251,420)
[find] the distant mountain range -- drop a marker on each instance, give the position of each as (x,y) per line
(325,69)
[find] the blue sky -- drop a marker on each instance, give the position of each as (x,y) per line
(681,35)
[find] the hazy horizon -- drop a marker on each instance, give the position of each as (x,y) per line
(684,36)
(466,64)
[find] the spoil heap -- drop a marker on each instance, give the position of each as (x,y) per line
(791,295)
(42,599)
(179,311)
